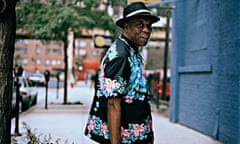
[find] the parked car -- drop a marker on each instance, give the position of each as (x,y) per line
(37,79)
(28,95)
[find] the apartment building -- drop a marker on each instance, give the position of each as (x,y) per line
(39,55)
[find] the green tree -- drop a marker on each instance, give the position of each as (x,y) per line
(54,19)
(7,39)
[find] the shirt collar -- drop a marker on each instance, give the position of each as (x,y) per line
(129,43)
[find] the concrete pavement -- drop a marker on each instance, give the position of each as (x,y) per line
(67,122)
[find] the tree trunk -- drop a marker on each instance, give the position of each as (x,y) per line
(65,71)
(7,40)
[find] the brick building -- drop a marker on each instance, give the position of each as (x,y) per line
(37,55)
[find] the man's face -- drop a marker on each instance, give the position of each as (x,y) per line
(138,30)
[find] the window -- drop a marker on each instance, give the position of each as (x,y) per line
(57,51)
(82,52)
(23,41)
(24,61)
(47,51)
(38,42)
(76,43)
(58,62)
(92,44)
(38,61)
(54,62)
(21,50)
(94,53)
(47,62)
(76,52)
(57,43)
(83,44)
(38,50)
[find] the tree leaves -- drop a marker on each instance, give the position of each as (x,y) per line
(54,19)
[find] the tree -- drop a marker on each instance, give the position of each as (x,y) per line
(7,40)
(53,20)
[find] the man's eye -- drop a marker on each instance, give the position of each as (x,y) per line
(140,25)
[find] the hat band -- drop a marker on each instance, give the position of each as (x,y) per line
(136,12)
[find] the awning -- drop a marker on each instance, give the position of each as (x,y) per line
(90,64)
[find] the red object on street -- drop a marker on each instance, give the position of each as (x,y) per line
(167,90)
(87,65)
(36,66)
(90,64)
(72,84)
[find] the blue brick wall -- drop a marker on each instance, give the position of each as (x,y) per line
(205,79)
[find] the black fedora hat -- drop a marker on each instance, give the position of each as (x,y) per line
(136,9)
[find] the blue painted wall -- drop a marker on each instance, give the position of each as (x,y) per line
(205,77)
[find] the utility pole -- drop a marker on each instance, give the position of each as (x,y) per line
(165,63)
(18,71)
(47,77)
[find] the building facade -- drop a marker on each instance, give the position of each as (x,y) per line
(205,77)
(37,55)
(86,58)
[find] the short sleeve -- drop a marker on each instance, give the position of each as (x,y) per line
(118,67)
(116,76)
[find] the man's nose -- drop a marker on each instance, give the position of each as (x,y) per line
(147,28)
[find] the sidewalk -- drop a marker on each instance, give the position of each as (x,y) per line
(67,121)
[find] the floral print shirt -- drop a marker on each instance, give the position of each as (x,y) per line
(122,75)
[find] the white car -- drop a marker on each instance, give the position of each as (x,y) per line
(36,79)
(28,95)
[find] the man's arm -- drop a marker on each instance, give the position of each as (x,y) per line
(114,119)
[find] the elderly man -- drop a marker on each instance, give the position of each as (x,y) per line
(120,112)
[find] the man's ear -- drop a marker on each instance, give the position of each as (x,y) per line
(126,27)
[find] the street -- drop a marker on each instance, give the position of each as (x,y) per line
(67,122)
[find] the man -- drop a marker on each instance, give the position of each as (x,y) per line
(120,112)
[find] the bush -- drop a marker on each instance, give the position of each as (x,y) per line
(31,137)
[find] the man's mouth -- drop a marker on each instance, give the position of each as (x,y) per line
(144,38)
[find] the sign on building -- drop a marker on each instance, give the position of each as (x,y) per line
(102,41)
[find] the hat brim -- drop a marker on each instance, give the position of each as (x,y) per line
(120,22)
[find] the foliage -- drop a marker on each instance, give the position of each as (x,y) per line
(31,137)
(53,20)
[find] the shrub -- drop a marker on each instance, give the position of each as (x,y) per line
(31,137)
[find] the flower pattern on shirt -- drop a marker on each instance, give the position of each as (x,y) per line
(138,89)
(133,132)
(97,126)
(112,88)
(133,91)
